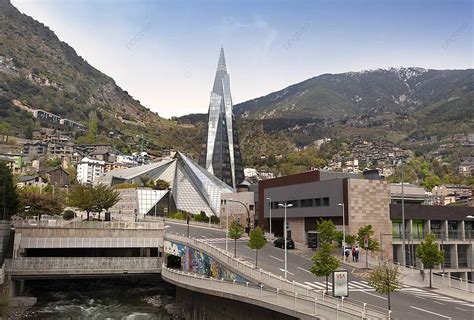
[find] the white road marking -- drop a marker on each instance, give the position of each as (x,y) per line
(371,294)
(281,260)
(439,303)
(304,270)
(427,311)
(283,270)
(461,309)
(316,285)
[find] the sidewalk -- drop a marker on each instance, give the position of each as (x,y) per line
(409,279)
(413,281)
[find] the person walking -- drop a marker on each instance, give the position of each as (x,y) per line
(357,253)
(353,254)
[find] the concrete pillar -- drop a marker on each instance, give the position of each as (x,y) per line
(426,228)
(454,255)
(461,230)
(444,229)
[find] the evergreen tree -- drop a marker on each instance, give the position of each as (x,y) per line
(9,198)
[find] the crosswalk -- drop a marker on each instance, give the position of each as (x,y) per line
(220,240)
(424,294)
(353,285)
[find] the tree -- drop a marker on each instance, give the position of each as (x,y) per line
(385,279)
(37,204)
(235,232)
(324,263)
(257,241)
(105,197)
(28,133)
(429,253)
(368,231)
(327,231)
(8,194)
(92,133)
(161,185)
(82,197)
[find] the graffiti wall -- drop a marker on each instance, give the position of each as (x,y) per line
(195,261)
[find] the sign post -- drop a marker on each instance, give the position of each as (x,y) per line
(340,283)
(366,246)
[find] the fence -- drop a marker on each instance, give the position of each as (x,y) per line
(453,282)
(90,224)
(274,298)
(249,271)
(53,265)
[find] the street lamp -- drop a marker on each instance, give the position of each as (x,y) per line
(224,202)
(286,205)
(403,217)
(343,232)
(247,229)
(270,201)
(470,241)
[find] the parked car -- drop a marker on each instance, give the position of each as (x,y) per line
(280,243)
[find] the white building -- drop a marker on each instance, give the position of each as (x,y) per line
(88,170)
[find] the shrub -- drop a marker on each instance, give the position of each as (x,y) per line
(68,214)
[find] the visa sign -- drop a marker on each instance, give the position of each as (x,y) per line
(340,283)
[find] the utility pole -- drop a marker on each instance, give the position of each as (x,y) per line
(403,218)
(270,208)
(286,205)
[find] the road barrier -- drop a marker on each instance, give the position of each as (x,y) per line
(268,279)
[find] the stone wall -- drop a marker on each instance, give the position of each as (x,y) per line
(296,226)
(369,203)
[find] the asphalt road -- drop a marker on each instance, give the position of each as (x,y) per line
(409,303)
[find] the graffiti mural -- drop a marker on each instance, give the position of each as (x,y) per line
(195,261)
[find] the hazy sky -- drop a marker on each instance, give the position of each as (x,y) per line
(164,53)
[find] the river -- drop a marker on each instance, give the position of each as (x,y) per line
(129,299)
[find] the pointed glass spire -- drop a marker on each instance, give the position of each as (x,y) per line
(221,66)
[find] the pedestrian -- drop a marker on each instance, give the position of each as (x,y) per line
(353,253)
(347,252)
(357,253)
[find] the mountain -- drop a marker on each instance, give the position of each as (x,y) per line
(368,93)
(39,71)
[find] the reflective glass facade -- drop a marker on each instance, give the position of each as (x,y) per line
(220,154)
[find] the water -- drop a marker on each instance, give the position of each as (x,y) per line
(100,299)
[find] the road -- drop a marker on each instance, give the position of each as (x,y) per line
(409,303)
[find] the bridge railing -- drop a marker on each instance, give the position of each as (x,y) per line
(294,302)
(38,265)
(159,225)
(249,271)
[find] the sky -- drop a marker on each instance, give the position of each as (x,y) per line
(165,53)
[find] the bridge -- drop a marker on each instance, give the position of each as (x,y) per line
(143,245)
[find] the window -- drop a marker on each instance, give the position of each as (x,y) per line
(306,203)
(317,202)
(251,207)
(326,202)
(294,203)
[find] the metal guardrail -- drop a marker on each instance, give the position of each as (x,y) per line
(453,282)
(80,265)
(89,242)
(293,302)
(249,271)
(159,225)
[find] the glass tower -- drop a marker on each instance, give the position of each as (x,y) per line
(220,154)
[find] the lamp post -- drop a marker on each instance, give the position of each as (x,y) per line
(403,216)
(224,202)
(286,205)
(270,208)
(343,232)
(470,242)
(248,214)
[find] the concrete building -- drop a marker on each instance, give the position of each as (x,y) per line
(411,194)
(452,227)
(318,195)
(88,170)
(238,206)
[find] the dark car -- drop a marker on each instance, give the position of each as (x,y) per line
(280,243)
